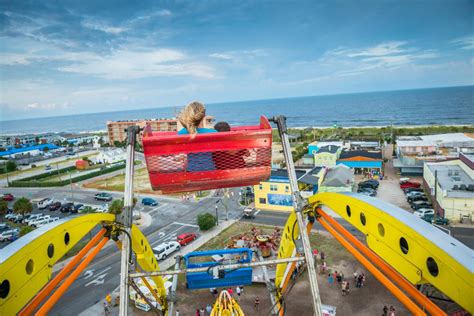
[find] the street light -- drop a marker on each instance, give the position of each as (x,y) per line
(217,215)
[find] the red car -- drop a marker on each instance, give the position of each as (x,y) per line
(185,239)
(409,184)
(8,197)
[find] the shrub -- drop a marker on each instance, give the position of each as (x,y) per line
(11,166)
(25,230)
(87,209)
(206,221)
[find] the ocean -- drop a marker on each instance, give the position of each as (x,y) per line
(436,106)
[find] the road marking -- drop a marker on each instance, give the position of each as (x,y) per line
(100,279)
(184,224)
(257,212)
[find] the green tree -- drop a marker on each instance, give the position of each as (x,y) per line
(87,209)
(3,207)
(25,230)
(11,166)
(45,149)
(22,206)
(206,221)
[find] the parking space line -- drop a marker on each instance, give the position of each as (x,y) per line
(184,224)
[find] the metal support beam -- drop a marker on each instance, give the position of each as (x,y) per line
(174,286)
(126,218)
(280,121)
(270,286)
(223,266)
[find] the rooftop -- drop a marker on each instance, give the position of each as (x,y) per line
(328,149)
(442,140)
(338,176)
(453,180)
(346,154)
(12,150)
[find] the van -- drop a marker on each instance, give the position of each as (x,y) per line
(423,211)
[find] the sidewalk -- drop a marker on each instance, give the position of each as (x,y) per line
(98,308)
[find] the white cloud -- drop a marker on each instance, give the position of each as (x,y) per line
(46,106)
(221,56)
(125,64)
(14,59)
(466,42)
(105,28)
(382,49)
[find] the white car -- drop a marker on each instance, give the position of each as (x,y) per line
(8,233)
(34,223)
(423,211)
(44,203)
(46,221)
(165,249)
(32,217)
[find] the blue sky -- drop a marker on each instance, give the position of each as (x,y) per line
(67,57)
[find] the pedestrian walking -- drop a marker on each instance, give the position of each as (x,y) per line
(355,276)
(215,292)
(391,311)
(229,290)
(211,290)
(339,278)
(322,255)
(238,291)
(385,310)
(343,288)
(359,281)
(177,312)
(330,279)
(106,309)
(335,275)
(256,302)
(323,267)
(209,308)
(202,312)
(363,280)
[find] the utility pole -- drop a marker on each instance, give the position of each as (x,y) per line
(217,215)
(70,183)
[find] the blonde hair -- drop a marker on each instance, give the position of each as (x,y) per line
(192,116)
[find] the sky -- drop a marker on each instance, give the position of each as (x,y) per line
(70,57)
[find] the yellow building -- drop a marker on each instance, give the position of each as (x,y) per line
(327,156)
(275,194)
(453,194)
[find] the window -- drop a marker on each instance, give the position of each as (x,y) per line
(273,187)
(262,200)
(287,189)
(260,186)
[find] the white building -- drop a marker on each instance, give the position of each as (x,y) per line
(111,156)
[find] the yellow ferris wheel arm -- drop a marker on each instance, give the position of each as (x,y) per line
(26,264)
(419,251)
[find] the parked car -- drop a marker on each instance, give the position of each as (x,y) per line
(47,167)
(165,249)
(408,190)
(8,197)
(423,211)
(421,204)
(17,218)
(367,189)
(76,208)
(67,207)
(46,221)
(372,193)
(5,235)
(33,217)
(415,198)
(414,193)
(186,238)
(103,197)
(149,201)
(249,213)
(34,223)
(410,184)
(54,206)
(9,216)
(4,226)
(13,236)
(374,184)
(44,203)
